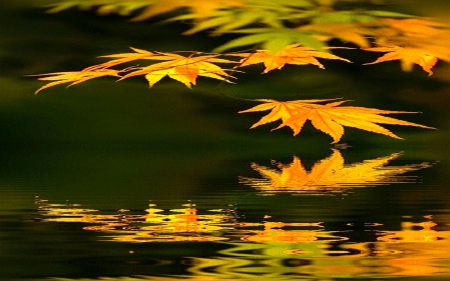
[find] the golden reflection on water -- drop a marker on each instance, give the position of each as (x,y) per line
(272,250)
(330,175)
(278,250)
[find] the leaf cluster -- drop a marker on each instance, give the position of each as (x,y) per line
(296,32)
(271,24)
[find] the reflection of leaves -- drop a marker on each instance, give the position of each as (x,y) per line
(329,118)
(184,224)
(144,278)
(330,174)
(266,250)
(427,244)
(274,232)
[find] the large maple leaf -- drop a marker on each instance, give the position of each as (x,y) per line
(330,174)
(329,118)
(292,54)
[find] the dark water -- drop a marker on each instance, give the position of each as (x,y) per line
(89,214)
(115,181)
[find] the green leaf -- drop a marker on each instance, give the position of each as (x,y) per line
(209,23)
(273,38)
(245,41)
(276,44)
(387,14)
(58,7)
(343,16)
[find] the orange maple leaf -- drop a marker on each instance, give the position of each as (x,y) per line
(328,118)
(417,27)
(408,56)
(201,8)
(292,54)
(121,58)
(73,77)
(183,69)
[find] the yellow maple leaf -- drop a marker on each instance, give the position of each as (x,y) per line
(183,69)
(330,174)
(73,77)
(329,118)
(408,56)
(292,54)
(417,27)
(121,58)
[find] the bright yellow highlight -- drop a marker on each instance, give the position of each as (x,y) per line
(330,175)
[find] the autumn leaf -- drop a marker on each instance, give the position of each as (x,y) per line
(408,56)
(201,8)
(329,118)
(412,41)
(121,58)
(182,69)
(271,39)
(73,77)
(147,8)
(417,27)
(185,69)
(292,54)
(345,31)
(330,174)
